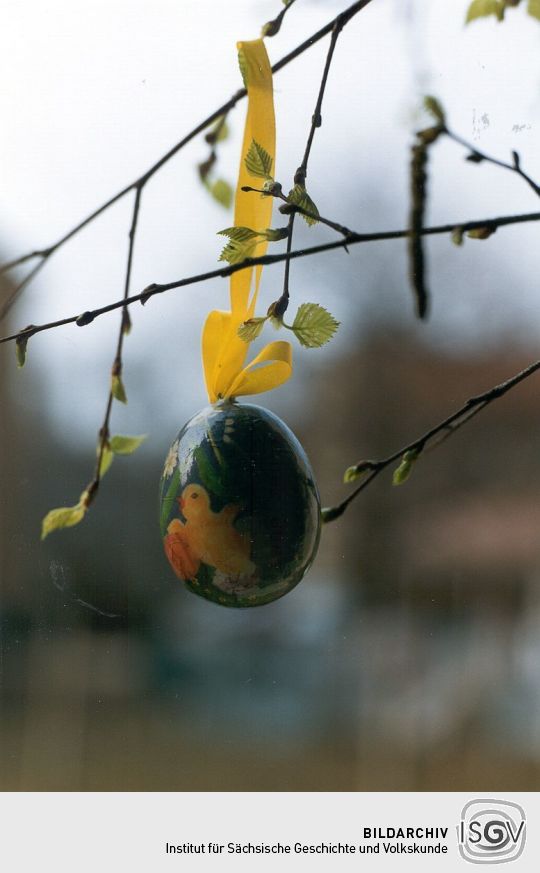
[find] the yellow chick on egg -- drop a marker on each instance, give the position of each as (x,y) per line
(210,536)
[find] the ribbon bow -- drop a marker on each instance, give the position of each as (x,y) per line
(223,352)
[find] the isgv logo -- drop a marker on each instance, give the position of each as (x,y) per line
(491,831)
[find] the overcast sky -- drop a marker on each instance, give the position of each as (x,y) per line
(93,92)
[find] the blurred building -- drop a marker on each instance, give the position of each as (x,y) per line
(405,660)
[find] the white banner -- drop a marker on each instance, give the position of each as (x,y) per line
(225,832)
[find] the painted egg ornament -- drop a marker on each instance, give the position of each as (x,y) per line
(239,509)
(240,512)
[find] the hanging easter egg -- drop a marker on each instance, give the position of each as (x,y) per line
(240,511)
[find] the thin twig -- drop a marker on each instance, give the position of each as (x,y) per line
(291,208)
(316,120)
(82,319)
(117,363)
(448,426)
(271,28)
(9,265)
(452,428)
(139,183)
(280,306)
(418,182)
(18,289)
(476,156)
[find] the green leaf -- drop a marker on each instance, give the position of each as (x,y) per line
(126,445)
(481,232)
(258,162)
(351,475)
(402,473)
(106,459)
(222,132)
(250,329)
(300,197)
(219,132)
(66,516)
(313,325)
(20,350)
(483,8)
(357,471)
(275,234)
(457,236)
(239,233)
(117,389)
(434,107)
(235,252)
(222,192)
(533,8)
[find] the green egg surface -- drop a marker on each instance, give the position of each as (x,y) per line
(239,508)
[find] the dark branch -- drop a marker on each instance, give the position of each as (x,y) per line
(418,186)
(291,208)
(139,183)
(476,156)
(279,308)
(117,363)
(271,28)
(9,265)
(280,305)
(316,120)
(82,319)
(18,289)
(427,440)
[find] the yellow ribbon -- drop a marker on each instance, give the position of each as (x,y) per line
(223,351)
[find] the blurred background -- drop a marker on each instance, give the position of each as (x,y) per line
(408,657)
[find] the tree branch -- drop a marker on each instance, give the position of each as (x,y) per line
(316,120)
(291,208)
(139,183)
(426,441)
(223,272)
(477,157)
(125,324)
(280,306)
(271,28)
(19,288)
(420,151)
